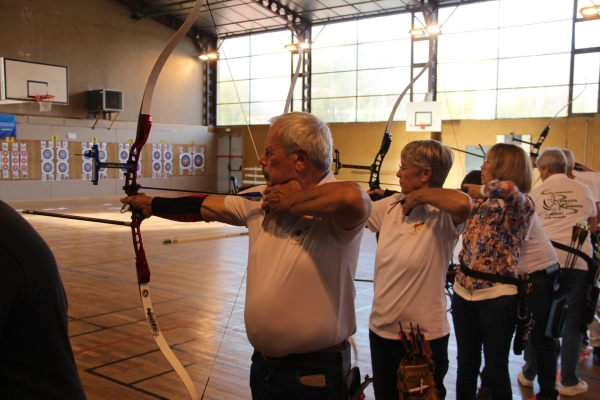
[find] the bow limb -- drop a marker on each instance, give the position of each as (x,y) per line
(387,135)
(131,183)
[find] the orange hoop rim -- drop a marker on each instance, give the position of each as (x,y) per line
(41,97)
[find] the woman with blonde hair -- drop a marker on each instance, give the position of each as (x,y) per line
(484,304)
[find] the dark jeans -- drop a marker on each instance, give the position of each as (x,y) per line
(386,355)
(267,383)
(540,353)
(577,283)
(487,323)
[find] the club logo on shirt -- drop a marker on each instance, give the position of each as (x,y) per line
(299,236)
(558,204)
(416,228)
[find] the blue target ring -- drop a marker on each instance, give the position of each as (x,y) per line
(48,167)
(124,154)
(168,155)
(156,155)
(87,167)
(63,167)
(168,167)
(156,166)
(198,160)
(62,154)
(186,161)
(101,154)
(47,154)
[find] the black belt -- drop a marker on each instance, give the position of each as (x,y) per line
(544,271)
(336,355)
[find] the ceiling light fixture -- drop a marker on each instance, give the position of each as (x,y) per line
(417,32)
(433,30)
(591,11)
(205,56)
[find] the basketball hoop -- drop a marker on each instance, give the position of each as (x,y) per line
(422,127)
(45,101)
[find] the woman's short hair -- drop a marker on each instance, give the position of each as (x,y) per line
(432,154)
(304,130)
(511,163)
(554,159)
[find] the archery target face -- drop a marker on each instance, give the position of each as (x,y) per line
(62,167)
(168,155)
(23,167)
(48,167)
(168,167)
(185,160)
(62,154)
(87,167)
(156,166)
(124,154)
(47,154)
(198,160)
(101,154)
(156,154)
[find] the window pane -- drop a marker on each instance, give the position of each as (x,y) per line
(587,68)
(236,47)
(339,84)
(534,71)
(480,45)
(469,17)
(393,27)
(532,102)
(587,34)
(335,110)
(335,34)
(383,81)
(231,114)
(227,92)
(393,53)
(523,12)
(271,65)
(269,89)
(549,38)
(378,108)
(334,59)
(239,68)
(474,75)
(421,51)
(468,105)
(297,105)
(422,83)
(272,42)
(588,101)
(260,113)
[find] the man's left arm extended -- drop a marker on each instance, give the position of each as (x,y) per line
(454,202)
(345,203)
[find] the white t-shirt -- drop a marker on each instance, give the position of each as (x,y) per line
(590,186)
(412,258)
(593,176)
(300,285)
(537,253)
(561,203)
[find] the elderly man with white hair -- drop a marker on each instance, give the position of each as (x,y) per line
(561,203)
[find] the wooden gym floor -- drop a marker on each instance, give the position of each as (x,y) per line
(198,291)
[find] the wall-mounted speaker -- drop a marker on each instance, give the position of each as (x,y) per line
(105,100)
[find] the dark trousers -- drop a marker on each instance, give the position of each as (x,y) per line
(489,324)
(540,353)
(386,355)
(268,383)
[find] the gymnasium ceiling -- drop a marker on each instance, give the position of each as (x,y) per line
(242,17)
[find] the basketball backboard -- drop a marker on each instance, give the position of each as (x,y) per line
(22,80)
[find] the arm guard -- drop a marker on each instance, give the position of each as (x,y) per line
(182,209)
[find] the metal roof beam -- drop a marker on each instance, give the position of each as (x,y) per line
(295,22)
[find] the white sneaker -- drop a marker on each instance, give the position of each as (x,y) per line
(524,381)
(581,387)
